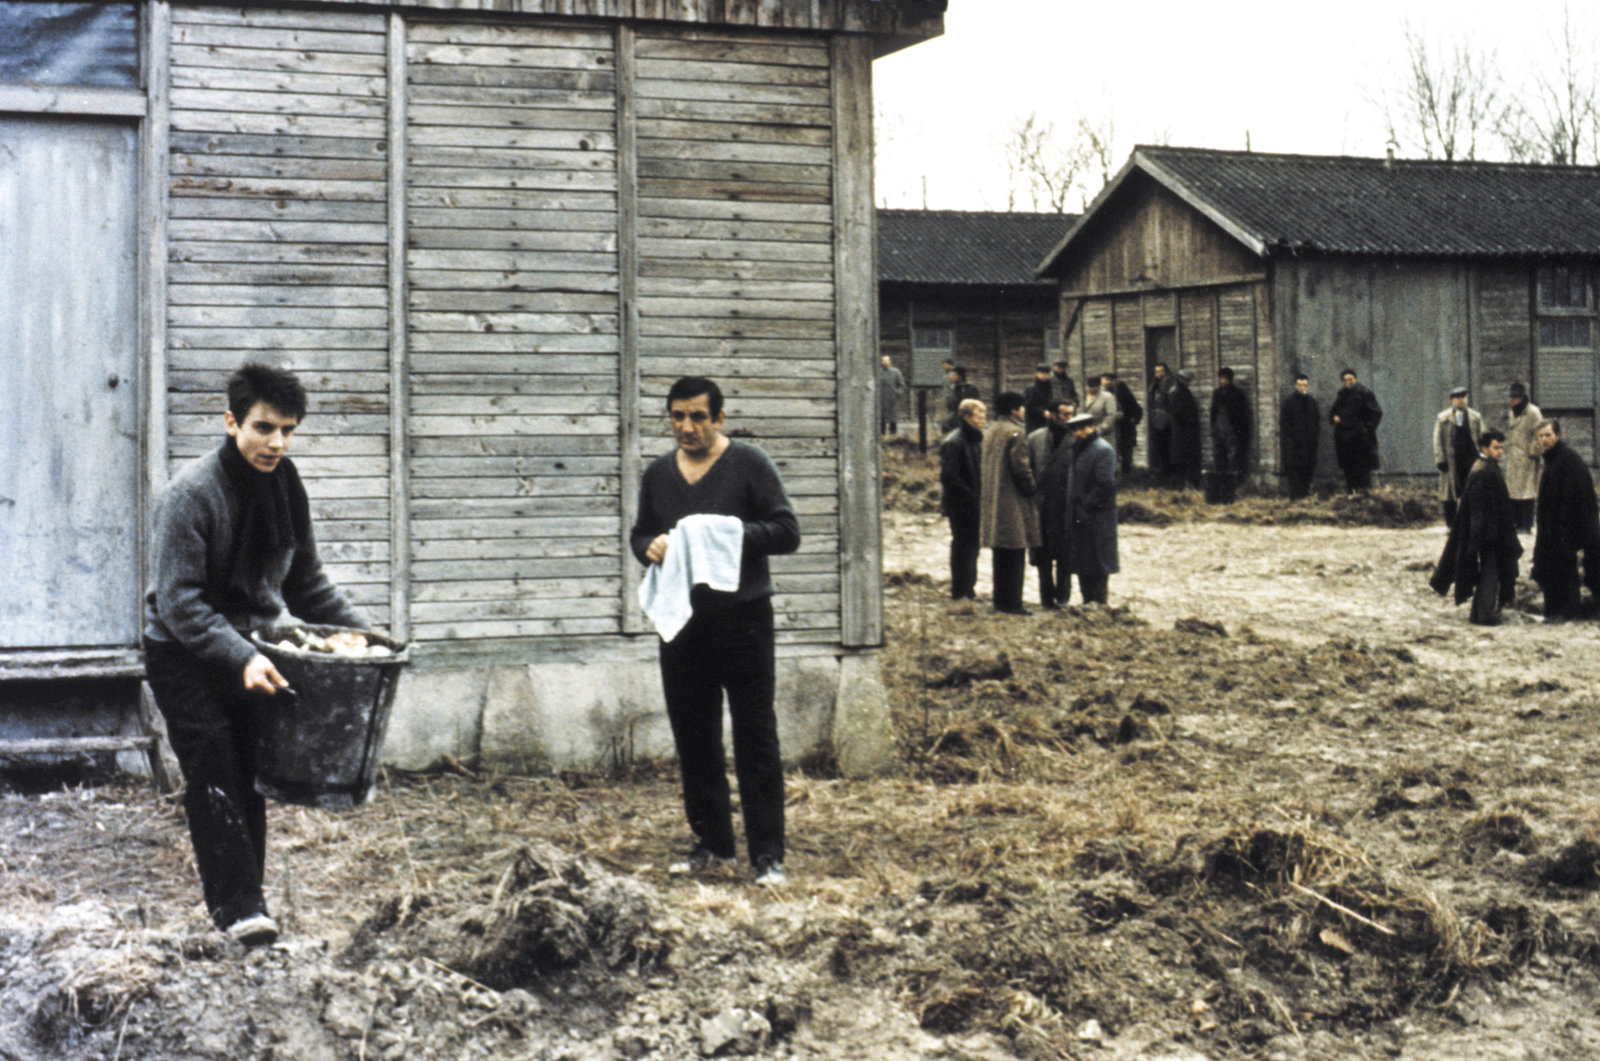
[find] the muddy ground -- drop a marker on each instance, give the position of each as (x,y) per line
(1277,801)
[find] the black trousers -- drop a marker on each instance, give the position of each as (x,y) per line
(1010,569)
(963,559)
(1054,579)
(1485,609)
(727,651)
(211,724)
(1094,587)
(1449,507)
(1524,509)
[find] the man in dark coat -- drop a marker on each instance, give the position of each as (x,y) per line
(1355,416)
(1038,400)
(1050,449)
(960,457)
(956,391)
(1158,436)
(1480,556)
(1567,524)
(1092,501)
(1062,389)
(1300,429)
(1232,427)
(1186,454)
(1129,413)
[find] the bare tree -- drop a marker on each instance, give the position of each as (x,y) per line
(1448,101)
(1039,165)
(1558,121)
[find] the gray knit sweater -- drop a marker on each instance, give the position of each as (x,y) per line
(200,596)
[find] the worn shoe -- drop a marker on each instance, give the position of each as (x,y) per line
(769,871)
(253,930)
(700,860)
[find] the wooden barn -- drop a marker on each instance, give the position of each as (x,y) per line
(960,284)
(487,235)
(1420,275)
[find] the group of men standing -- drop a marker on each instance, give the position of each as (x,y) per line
(1494,483)
(1048,495)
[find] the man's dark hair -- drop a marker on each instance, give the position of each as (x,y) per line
(1552,423)
(1348,372)
(961,373)
(1489,436)
(1041,368)
(1008,402)
(1163,366)
(690,387)
(254,382)
(1061,365)
(1298,376)
(1225,373)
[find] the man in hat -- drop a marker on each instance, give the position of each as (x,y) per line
(1524,455)
(960,476)
(1480,556)
(1187,455)
(1092,504)
(1455,449)
(1050,449)
(1062,389)
(1038,400)
(1355,416)
(1101,404)
(1300,428)
(233,552)
(956,391)
(891,396)
(1008,525)
(1232,427)
(1567,525)
(1158,435)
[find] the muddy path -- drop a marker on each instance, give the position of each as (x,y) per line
(1277,801)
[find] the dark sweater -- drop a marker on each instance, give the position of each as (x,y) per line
(743,483)
(204,597)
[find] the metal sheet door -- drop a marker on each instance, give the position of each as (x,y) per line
(69,472)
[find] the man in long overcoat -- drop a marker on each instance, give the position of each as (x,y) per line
(891,395)
(1455,449)
(1232,428)
(1524,455)
(1567,525)
(1355,416)
(1300,429)
(960,497)
(1187,456)
(1050,449)
(1038,400)
(1129,414)
(1158,435)
(1062,389)
(1480,556)
(1007,523)
(1101,403)
(1092,499)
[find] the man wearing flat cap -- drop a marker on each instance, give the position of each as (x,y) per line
(1524,459)
(1092,508)
(1455,449)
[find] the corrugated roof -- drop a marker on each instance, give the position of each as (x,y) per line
(1378,206)
(965,246)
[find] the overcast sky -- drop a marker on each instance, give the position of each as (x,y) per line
(1290,75)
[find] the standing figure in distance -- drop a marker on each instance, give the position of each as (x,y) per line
(1300,427)
(1187,455)
(727,644)
(1232,427)
(233,552)
(1567,525)
(1455,449)
(1158,436)
(891,394)
(1050,449)
(1009,526)
(1038,400)
(1524,455)
(1062,389)
(957,390)
(1092,497)
(1101,404)
(1480,556)
(1355,416)
(960,497)
(1129,414)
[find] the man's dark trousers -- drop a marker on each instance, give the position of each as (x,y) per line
(964,551)
(211,726)
(729,649)
(1010,569)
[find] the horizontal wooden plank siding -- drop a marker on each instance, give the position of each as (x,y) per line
(735,259)
(277,251)
(513,328)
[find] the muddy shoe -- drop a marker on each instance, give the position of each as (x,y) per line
(700,860)
(769,871)
(254,930)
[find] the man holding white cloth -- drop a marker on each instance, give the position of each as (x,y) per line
(726,645)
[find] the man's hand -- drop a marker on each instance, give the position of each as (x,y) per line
(657,549)
(261,676)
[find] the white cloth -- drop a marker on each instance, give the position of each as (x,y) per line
(701,550)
